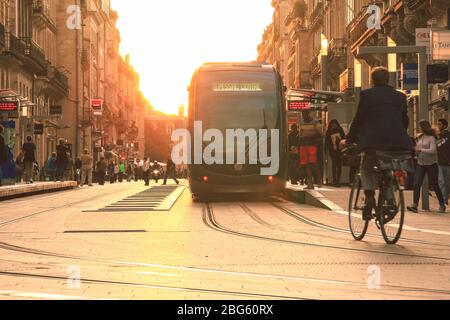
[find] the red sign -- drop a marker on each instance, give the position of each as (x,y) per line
(299,105)
(97,104)
(8,106)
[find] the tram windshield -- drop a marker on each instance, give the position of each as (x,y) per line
(238,99)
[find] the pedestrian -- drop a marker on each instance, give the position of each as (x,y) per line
(427,164)
(3,153)
(129,172)
(29,150)
(121,171)
(20,166)
(443,146)
(101,171)
(87,162)
(333,137)
(111,169)
(62,160)
(146,171)
(77,170)
(170,172)
(310,137)
(294,142)
(116,171)
(51,167)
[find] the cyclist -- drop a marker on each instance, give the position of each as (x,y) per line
(380,124)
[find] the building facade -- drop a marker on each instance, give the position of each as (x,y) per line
(325,37)
(60,63)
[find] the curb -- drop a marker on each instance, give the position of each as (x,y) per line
(313,198)
(12,192)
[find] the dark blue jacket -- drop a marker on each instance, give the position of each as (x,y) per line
(381,121)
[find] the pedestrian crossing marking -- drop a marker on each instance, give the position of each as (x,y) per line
(156,198)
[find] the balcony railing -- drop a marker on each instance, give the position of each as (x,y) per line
(337,47)
(41,11)
(316,15)
(61,79)
(34,52)
(346,80)
(16,45)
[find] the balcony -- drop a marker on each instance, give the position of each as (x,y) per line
(35,53)
(316,16)
(61,80)
(42,15)
(346,80)
(14,46)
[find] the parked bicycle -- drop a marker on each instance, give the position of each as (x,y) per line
(389,213)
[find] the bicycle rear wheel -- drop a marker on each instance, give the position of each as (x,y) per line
(358,226)
(392,214)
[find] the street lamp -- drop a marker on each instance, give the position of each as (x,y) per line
(392,63)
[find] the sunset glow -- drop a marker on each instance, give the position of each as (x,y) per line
(168,40)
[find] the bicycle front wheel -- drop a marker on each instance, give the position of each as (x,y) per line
(392,215)
(358,226)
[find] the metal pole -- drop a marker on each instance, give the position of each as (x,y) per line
(423,114)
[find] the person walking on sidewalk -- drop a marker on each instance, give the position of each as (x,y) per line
(29,150)
(310,136)
(61,160)
(101,171)
(443,146)
(87,162)
(427,164)
(294,141)
(335,134)
(121,171)
(51,167)
(170,172)
(380,124)
(146,171)
(3,153)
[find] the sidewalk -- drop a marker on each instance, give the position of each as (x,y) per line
(21,190)
(336,201)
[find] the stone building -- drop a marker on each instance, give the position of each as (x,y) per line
(325,36)
(29,71)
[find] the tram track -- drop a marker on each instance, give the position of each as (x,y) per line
(210,220)
(308,221)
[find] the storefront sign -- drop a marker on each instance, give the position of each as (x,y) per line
(8,106)
(298,105)
(437,73)
(423,38)
(97,106)
(441,44)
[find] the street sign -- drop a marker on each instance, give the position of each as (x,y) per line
(440,41)
(8,124)
(55,110)
(38,128)
(97,106)
(410,76)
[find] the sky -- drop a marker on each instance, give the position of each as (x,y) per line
(169,39)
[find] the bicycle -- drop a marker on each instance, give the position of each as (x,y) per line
(389,214)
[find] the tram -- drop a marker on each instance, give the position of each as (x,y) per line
(240,109)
